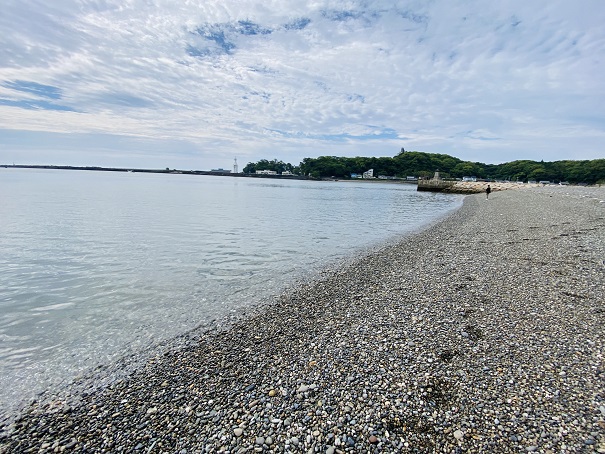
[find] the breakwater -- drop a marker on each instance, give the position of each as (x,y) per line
(470,187)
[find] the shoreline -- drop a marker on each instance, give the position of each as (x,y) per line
(483,332)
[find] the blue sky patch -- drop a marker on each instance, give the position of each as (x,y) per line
(35,104)
(298,24)
(222,36)
(215,34)
(340,16)
(46,91)
(249,28)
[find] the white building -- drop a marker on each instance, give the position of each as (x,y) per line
(266,172)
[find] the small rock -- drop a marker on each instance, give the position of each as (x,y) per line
(152,410)
(238,432)
(458,434)
(373,439)
(272,393)
(260,441)
(531,448)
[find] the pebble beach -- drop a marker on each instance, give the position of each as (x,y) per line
(484,332)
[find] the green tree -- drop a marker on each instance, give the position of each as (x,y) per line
(263,164)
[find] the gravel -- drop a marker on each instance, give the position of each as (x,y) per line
(483,333)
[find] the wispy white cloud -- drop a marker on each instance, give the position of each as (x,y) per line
(200,81)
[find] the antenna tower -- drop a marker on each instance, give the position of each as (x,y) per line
(235,169)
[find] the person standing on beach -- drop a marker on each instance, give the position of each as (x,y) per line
(487,191)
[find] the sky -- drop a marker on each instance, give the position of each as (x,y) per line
(194,84)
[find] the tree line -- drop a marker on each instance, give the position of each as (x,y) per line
(275,165)
(420,164)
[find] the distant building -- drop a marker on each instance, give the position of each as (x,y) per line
(368,174)
(220,169)
(266,172)
(469,179)
(287,173)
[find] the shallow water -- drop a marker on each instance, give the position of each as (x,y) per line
(96,265)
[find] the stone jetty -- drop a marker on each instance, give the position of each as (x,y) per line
(470,187)
(482,333)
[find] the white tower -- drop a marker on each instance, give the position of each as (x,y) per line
(235,169)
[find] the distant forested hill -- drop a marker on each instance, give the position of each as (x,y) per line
(419,164)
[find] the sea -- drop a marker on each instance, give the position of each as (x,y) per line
(96,267)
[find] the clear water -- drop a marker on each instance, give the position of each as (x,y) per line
(94,264)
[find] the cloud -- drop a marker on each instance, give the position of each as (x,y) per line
(291,79)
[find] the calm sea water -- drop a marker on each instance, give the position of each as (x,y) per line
(96,265)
